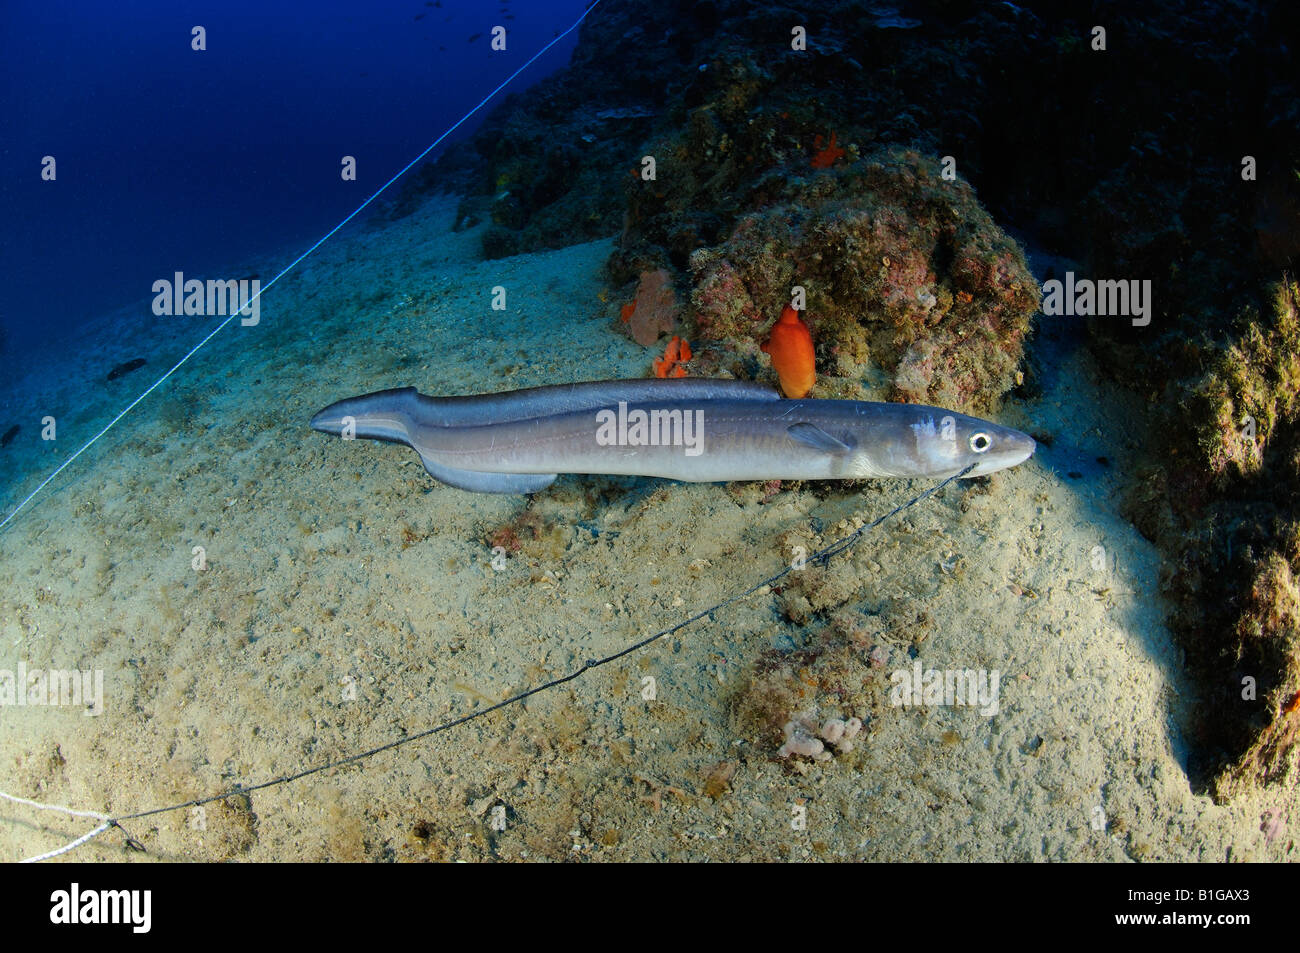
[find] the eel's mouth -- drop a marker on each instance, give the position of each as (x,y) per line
(1011,449)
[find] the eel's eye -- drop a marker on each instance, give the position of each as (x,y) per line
(979,442)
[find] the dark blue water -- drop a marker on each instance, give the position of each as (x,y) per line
(169,159)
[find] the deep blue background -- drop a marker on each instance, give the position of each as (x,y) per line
(170,159)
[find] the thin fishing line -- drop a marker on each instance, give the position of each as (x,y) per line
(823,555)
(293,264)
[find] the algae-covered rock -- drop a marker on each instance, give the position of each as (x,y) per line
(1226,503)
(902,268)
(1254,386)
(1268,630)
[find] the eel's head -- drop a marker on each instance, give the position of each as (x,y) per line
(993,447)
(942,443)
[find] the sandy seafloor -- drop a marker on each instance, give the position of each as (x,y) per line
(335,566)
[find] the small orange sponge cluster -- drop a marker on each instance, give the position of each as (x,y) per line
(825,156)
(675,354)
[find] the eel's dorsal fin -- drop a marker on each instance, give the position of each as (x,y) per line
(477,481)
(810,435)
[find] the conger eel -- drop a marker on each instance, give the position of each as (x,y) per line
(682,429)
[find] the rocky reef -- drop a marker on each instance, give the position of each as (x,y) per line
(1164,148)
(903,272)
(1194,185)
(1225,503)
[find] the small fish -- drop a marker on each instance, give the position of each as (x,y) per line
(125,368)
(473,37)
(791,348)
(9,435)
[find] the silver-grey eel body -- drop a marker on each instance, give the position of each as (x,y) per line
(682,429)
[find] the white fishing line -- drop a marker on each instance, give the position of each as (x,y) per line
(293,264)
(106,823)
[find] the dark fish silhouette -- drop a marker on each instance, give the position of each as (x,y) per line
(474,37)
(419,16)
(9,435)
(123,369)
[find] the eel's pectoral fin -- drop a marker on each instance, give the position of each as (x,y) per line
(477,481)
(810,435)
